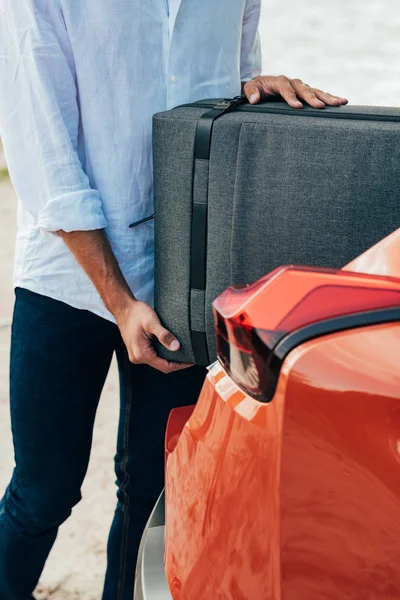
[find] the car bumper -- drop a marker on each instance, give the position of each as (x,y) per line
(151,582)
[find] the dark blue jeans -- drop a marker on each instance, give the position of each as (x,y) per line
(60,357)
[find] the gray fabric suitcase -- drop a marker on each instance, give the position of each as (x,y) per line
(241,190)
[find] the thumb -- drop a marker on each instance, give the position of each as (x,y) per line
(252,92)
(166,338)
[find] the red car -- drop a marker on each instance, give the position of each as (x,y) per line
(284,482)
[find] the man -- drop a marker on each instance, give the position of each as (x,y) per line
(80,81)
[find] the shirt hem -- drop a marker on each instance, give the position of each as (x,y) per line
(106,315)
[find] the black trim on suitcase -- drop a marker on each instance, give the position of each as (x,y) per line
(198,250)
(306,111)
(199,247)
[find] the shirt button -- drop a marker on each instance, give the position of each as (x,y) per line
(174,78)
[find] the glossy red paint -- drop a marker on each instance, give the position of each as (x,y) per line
(299,498)
(222,529)
(176,422)
(340,468)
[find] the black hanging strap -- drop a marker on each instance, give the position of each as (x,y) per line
(198,251)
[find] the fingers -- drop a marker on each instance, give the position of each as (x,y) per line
(145,354)
(330,99)
(288,92)
(269,86)
(281,86)
(169,341)
(138,330)
(307,94)
(252,92)
(166,338)
(166,366)
(294,91)
(315,97)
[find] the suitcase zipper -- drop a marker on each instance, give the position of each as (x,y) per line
(227,105)
(241,104)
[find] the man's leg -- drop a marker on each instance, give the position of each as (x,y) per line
(147,397)
(60,357)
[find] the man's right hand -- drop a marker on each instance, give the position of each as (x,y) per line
(137,321)
(139,326)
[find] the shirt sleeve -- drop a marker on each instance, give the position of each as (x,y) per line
(250,64)
(39,118)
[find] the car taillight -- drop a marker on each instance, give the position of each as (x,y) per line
(253,322)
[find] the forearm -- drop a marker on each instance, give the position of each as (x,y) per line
(93,252)
(137,322)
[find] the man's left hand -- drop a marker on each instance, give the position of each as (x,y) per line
(292,90)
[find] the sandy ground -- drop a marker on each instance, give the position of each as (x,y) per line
(350,47)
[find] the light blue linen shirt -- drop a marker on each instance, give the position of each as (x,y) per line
(79,83)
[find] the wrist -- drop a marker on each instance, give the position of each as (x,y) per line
(120,304)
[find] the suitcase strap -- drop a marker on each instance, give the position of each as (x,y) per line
(198,250)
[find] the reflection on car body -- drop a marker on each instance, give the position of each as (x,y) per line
(284,481)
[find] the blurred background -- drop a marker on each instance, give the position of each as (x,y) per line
(348,47)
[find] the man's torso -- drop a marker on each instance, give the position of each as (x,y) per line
(132,59)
